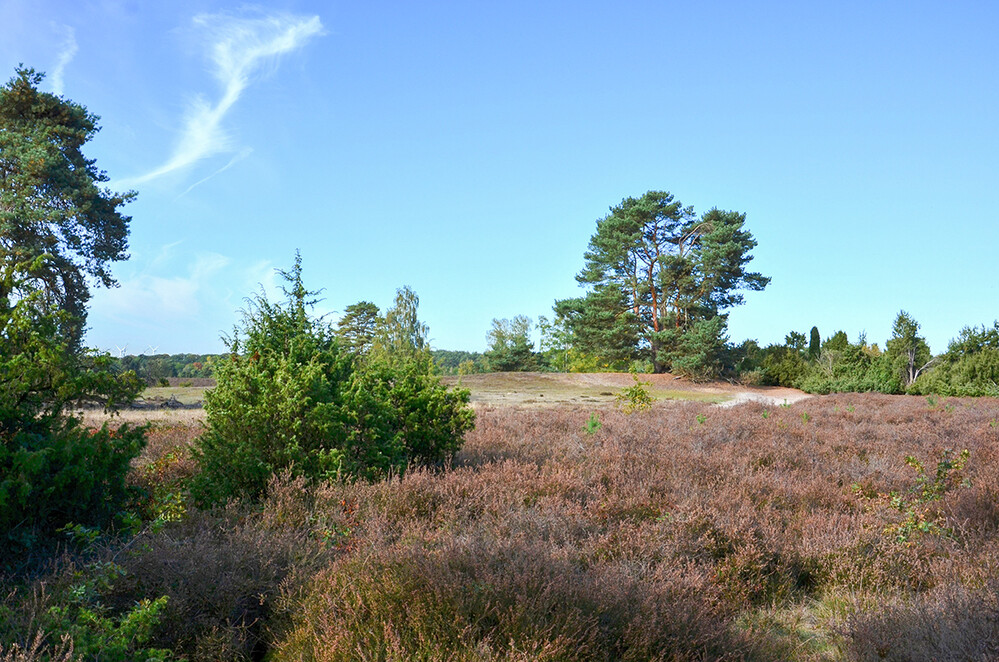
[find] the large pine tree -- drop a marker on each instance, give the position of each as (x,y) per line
(59,227)
(659,281)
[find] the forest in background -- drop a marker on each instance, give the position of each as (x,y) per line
(810,362)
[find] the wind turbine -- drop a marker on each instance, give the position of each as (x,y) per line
(121,350)
(150,351)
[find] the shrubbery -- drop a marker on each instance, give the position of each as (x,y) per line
(53,471)
(970,367)
(290,398)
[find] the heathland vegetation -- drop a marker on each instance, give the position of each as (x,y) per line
(339,501)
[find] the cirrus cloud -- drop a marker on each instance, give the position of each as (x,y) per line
(66,54)
(237,48)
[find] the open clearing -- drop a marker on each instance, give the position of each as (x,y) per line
(519,389)
(185,395)
(601,388)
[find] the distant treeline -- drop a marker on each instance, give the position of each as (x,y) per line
(811,362)
(164,366)
(969,367)
(153,368)
(459,362)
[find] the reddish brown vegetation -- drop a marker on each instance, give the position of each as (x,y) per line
(695,525)
(688,532)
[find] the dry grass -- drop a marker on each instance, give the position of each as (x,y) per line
(745,519)
(689,532)
(191,418)
(581,389)
(185,395)
(39,650)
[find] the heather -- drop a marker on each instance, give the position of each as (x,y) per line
(840,527)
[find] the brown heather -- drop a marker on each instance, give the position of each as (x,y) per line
(668,535)
(690,532)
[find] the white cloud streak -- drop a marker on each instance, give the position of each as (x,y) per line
(243,153)
(237,48)
(66,54)
(161,300)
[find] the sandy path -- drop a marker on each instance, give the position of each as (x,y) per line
(765,398)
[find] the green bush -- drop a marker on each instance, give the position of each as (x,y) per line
(53,471)
(635,397)
(56,473)
(970,367)
(75,606)
(782,366)
(290,398)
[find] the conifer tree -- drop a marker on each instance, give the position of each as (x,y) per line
(659,281)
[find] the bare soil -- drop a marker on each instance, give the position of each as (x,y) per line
(551,389)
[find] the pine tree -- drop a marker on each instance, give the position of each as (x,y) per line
(659,281)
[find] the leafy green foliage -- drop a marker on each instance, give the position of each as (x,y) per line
(969,367)
(814,343)
(920,514)
(603,331)
(907,353)
(356,329)
(783,366)
(153,368)
(290,398)
(840,367)
(510,346)
(57,226)
(57,472)
(54,471)
(593,424)
(659,280)
(458,362)
(56,229)
(96,632)
(556,343)
(78,606)
(401,336)
(635,397)
(697,351)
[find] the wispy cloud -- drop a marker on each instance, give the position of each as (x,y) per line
(66,54)
(237,48)
(243,153)
(160,300)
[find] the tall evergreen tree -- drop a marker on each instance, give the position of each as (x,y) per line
(356,329)
(58,226)
(659,281)
(58,229)
(814,344)
(510,346)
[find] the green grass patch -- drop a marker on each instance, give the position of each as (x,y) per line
(186,395)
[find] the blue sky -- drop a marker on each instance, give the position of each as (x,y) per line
(467,149)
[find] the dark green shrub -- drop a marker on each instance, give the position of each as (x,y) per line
(814,344)
(56,473)
(783,366)
(970,367)
(289,397)
(53,471)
